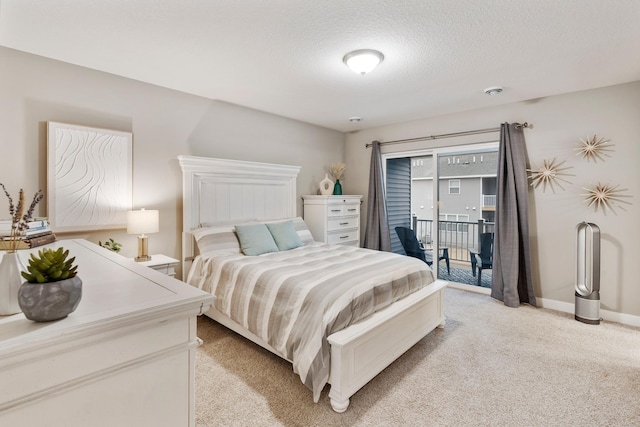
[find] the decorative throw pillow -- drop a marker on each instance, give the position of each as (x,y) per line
(255,239)
(285,235)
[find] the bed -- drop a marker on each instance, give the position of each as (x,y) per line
(346,345)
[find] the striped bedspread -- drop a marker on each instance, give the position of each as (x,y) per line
(295,299)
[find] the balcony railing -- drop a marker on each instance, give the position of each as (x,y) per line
(458,236)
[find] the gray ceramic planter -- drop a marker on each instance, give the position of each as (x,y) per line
(43,302)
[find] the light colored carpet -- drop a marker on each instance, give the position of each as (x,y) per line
(490,366)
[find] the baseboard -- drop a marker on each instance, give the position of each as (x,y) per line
(610,316)
(470,288)
(565,307)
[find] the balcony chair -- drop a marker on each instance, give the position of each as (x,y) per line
(415,249)
(482,258)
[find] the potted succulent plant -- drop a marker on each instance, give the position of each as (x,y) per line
(52,290)
(111,244)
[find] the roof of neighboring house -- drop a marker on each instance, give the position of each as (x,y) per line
(463,165)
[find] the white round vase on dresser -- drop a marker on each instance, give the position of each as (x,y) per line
(326,186)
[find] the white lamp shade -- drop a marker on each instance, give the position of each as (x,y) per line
(364,60)
(143,222)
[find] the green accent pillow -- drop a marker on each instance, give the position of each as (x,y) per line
(255,239)
(285,235)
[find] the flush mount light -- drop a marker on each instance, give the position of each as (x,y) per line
(355,119)
(493,90)
(364,60)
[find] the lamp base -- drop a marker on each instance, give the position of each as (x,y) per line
(143,251)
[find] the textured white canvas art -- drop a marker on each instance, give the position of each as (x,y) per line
(89,177)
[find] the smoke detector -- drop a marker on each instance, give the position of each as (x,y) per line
(495,90)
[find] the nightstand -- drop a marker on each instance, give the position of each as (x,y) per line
(161,263)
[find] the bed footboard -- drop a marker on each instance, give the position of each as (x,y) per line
(363,350)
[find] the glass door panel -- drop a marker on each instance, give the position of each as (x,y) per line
(466,189)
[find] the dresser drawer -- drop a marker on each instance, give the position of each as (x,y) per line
(342,210)
(167,269)
(335,210)
(343,238)
(343,223)
(351,209)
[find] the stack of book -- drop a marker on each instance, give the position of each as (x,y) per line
(38,233)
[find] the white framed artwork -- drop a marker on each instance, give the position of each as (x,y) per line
(89,177)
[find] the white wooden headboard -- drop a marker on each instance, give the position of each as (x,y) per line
(226,192)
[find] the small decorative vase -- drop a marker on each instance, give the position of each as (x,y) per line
(326,186)
(10,281)
(44,302)
(337,188)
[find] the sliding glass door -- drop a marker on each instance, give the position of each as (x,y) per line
(462,182)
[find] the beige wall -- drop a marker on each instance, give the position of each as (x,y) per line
(165,124)
(559,123)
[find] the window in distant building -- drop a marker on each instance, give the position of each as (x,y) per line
(454,222)
(454,186)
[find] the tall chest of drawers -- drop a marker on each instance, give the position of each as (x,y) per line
(333,219)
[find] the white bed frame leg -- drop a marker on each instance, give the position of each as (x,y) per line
(442,325)
(339,405)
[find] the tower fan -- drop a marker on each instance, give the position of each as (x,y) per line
(588,274)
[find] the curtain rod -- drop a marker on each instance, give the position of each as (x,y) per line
(449,135)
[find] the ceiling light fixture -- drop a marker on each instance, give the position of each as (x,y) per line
(493,90)
(355,119)
(362,61)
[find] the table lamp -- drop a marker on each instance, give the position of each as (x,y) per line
(142,222)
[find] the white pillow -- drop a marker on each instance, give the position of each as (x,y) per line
(303,231)
(216,240)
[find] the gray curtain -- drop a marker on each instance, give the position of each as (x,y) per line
(376,234)
(511,281)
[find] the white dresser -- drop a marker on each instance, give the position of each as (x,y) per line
(333,219)
(125,357)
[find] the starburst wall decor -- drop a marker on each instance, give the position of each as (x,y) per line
(549,173)
(594,148)
(605,196)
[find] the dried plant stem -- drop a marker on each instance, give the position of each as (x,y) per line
(337,170)
(20,218)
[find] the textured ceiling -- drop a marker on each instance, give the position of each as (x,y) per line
(285,56)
